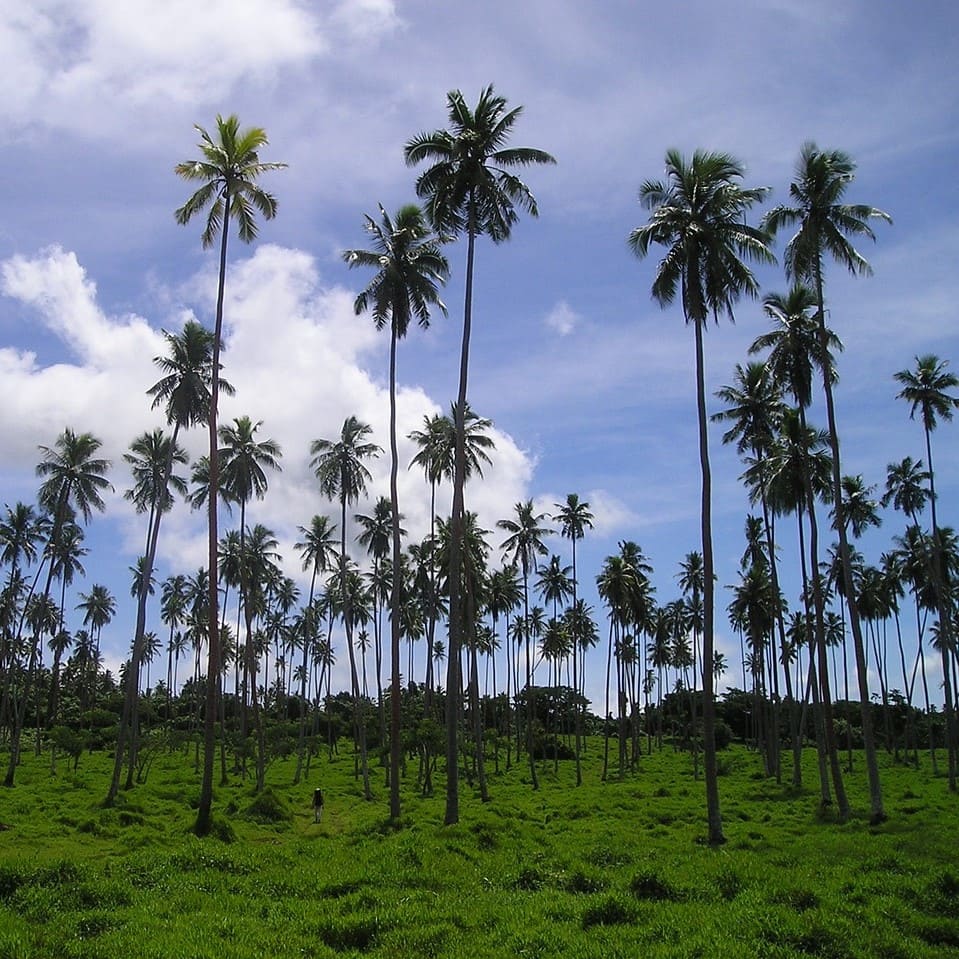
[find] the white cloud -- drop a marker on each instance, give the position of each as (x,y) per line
(562,318)
(90,66)
(300,361)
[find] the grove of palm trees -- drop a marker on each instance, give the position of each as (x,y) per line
(856,658)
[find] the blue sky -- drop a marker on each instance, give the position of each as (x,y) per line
(589,382)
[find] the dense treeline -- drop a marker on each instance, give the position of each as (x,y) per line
(498,615)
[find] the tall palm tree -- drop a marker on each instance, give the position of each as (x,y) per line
(338,465)
(410,269)
(525,545)
(470,188)
(795,352)
(228,169)
(377,538)
(824,225)
(926,390)
(575,518)
(698,214)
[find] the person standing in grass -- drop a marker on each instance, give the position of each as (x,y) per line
(317,805)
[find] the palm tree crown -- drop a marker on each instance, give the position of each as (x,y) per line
(698,214)
(825,222)
(924,388)
(229,166)
(470,186)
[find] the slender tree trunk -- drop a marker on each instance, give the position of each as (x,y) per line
(713,813)
(394,597)
(204,811)
(945,627)
(868,736)
(457,520)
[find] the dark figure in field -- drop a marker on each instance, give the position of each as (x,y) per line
(317,805)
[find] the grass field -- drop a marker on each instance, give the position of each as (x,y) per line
(606,870)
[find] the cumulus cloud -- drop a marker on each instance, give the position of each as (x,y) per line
(300,360)
(92,67)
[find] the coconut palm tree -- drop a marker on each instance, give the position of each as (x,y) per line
(698,214)
(338,465)
(575,518)
(228,169)
(244,460)
(470,188)
(410,269)
(824,227)
(795,353)
(377,539)
(525,544)
(926,390)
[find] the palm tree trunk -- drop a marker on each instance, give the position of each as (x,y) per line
(204,811)
(868,736)
(713,813)
(945,622)
(457,519)
(394,598)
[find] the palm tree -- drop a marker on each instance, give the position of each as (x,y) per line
(338,465)
(318,548)
(410,269)
(525,544)
(698,214)
(795,352)
(228,169)
(377,538)
(825,224)
(575,518)
(925,389)
(470,188)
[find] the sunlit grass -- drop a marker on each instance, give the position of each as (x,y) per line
(609,869)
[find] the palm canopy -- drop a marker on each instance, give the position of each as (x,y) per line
(411,268)
(21,531)
(574,517)
(377,528)
(925,388)
(318,546)
(470,185)
(824,221)
(229,166)
(525,542)
(74,475)
(754,408)
(794,343)
(147,458)
(338,464)
(698,214)
(184,388)
(245,459)
(857,509)
(905,486)
(437,439)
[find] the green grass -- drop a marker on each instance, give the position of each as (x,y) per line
(607,870)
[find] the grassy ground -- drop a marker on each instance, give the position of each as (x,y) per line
(607,870)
